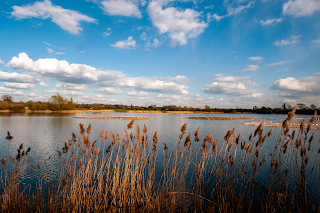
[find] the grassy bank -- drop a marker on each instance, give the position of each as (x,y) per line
(198,174)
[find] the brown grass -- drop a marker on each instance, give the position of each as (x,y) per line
(204,176)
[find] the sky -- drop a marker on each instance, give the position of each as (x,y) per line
(220,53)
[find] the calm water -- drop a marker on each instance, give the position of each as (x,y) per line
(46,133)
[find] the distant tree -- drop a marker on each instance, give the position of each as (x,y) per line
(58,99)
(207,108)
(7,98)
(284,106)
(71,100)
(289,107)
(313,107)
(301,106)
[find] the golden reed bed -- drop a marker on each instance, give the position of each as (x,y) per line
(312,126)
(216,118)
(113,117)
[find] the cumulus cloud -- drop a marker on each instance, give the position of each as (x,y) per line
(209,7)
(126,44)
(143,36)
(68,20)
(179,24)
(299,8)
(235,79)
(26,86)
(161,96)
(250,68)
(70,86)
(108,90)
(63,92)
(59,70)
(41,83)
(278,63)
(292,87)
(227,88)
(16,77)
(1,62)
(148,84)
(270,21)
(255,58)
(291,40)
(121,8)
(230,11)
(138,94)
(178,78)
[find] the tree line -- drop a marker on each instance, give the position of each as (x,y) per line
(57,103)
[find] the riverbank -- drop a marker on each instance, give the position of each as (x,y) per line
(216,118)
(313,126)
(113,117)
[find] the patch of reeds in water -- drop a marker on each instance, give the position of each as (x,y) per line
(121,177)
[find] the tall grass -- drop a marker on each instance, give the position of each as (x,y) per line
(220,176)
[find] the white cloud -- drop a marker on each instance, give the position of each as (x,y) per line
(46,43)
(143,36)
(148,84)
(209,7)
(121,8)
(138,94)
(60,53)
(290,101)
(270,21)
(108,32)
(16,77)
(256,58)
(291,87)
(108,90)
(49,50)
(63,92)
(231,11)
(300,8)
(250,68)
(156,42)
(26,86)
(59,70)
(179,24)
(227,88)
(70,86)
(126,44)
(178,78)
(1,62)
(162,96)
(278,63)
(291,40)
(235,79)
(41,83)
(68,20)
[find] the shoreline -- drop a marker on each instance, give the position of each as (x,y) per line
(280,125)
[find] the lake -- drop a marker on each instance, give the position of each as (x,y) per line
(46,133)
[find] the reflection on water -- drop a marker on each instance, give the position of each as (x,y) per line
(46,133)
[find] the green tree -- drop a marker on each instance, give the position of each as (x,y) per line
(58,102)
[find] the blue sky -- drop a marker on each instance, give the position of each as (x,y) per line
(227,53)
